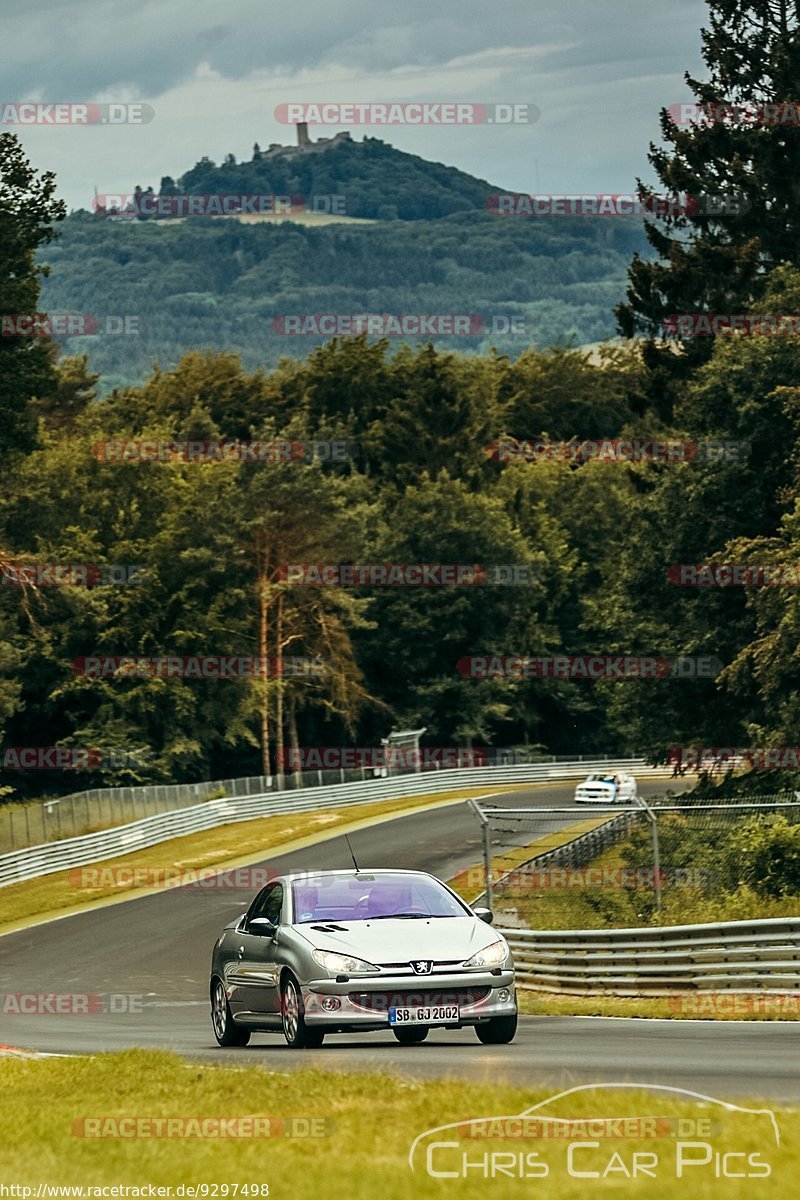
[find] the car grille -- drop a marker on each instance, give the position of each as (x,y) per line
(445,963)
(382,1001)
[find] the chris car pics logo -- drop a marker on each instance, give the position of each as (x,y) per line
(678,1134)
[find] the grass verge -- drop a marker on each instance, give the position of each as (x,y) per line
(368,1124)
(227,846)
(687,1006)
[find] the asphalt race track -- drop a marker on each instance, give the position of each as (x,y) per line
(152,956)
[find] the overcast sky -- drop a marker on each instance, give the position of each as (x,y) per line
(598,70)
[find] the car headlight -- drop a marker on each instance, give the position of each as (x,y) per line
(343,964)
(492,956)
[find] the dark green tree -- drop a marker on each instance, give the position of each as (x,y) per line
(739,162)
(27,212)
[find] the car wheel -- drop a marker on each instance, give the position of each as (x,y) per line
(498,1031)
(411,1037)
(298,1035)
(226,1031)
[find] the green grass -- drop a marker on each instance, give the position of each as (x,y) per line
(687,1006)
(369,1123)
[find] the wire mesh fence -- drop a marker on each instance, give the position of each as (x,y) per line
(34,823)
(673,861)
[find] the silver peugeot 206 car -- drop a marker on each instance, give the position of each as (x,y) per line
(356,950)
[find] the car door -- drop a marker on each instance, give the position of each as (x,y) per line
(255,970)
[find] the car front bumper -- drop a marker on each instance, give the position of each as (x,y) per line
(364,1001)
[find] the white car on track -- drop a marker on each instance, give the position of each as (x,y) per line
(612,787)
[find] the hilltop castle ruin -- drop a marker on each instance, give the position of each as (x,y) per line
(304,144)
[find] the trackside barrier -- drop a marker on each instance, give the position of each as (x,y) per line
(59,817)
(149,831)
(733,956)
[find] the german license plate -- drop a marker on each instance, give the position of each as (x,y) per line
(425,1014)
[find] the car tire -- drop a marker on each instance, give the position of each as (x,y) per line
(299,1036)
(498,1031)
(411,1036)
(226,1031)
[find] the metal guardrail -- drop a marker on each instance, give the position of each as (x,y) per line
(24,824)
(149,831)
(734,956)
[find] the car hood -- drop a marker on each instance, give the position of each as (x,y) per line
(400,940)
(596,787)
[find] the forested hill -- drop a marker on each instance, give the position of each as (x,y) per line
(374,179)
(224,284)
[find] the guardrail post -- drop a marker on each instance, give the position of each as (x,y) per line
(487,848)
(653,819)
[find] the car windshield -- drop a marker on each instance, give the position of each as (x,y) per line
(601,779)
(367,897)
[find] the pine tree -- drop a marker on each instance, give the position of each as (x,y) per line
(745,163)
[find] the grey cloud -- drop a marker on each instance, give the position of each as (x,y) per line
(67,48)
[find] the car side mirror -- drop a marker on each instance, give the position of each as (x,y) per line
(485,914)
(262,927)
